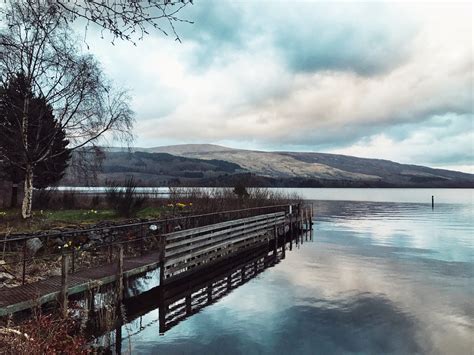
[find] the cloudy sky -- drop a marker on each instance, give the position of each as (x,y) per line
(371,79)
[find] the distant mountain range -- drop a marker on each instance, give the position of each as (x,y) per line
(213,165)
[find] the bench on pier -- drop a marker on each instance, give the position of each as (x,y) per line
(191,248)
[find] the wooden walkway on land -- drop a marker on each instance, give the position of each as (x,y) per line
(30,295)
(179,254)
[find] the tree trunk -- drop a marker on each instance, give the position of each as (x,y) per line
(14,195)
(28,195)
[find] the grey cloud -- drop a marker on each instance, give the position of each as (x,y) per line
(352,39)
(309,36)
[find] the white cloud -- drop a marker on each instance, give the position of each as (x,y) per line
(246,92)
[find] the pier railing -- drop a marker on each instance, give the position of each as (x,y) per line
(177,252)
(92,247)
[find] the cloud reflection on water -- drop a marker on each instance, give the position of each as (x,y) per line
(367,284)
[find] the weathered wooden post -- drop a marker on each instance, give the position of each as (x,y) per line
(118,339)
(188,304)
(209,293)
(73,266)
(64,284)
(275,246)
(432,202)
(162,310)
(119,275)
(91,301)
(162,258)
(23,277)
(291,236)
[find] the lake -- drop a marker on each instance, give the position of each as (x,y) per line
(384,273)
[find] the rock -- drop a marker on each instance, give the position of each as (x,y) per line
(55,272)
(57,242)
(33,245)
(5,277)
(95,236)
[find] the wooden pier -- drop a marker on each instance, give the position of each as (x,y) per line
(177,255)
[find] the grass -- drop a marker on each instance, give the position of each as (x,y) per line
(47,219)
(82,210)
(152,212)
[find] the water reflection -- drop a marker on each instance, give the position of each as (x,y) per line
(378,278)
(164,307)
(181,300)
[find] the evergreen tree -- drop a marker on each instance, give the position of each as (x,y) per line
(42,130)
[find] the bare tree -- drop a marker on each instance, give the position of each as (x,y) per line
(40,45)
(124,19)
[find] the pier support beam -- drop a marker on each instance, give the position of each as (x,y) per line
(64,284)
(119,274)
(275,246)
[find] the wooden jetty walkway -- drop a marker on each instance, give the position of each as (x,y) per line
(177,254)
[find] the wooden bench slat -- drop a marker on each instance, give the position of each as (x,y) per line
(228,236)
(187,232)
(240,229)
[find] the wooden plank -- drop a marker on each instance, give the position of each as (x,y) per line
(208,240)
(216,234)
(222,247)
(83,283)
(187,232)
(169,261)
(173,244)
(200,260)
(64,284)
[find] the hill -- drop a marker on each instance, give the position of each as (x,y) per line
(213,165)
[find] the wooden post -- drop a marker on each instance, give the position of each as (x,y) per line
(291,236)
(118,339)
(109,253)
(209,293)
(73,259)
(64,284)
(162,259)
(162,310)
(275,247)
(188,304)
(23,277)
(119,274)
(291,226)
(283,248)
(308,222)
(91,301)
(432,202)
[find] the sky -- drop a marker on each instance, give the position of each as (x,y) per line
(389,80)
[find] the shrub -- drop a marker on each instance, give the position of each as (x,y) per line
(43,199)
(44,334)
(69,200)
(95,201)
(126,202)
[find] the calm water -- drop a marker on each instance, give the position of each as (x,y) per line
(378,277)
